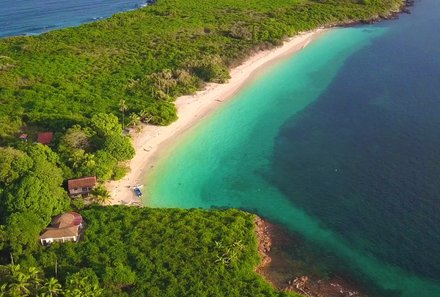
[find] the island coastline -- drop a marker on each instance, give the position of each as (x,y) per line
(151,141)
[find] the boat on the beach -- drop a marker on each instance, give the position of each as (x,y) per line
(138,191)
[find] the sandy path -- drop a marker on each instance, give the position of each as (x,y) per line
(191,109)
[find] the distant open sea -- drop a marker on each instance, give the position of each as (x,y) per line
(28,17)
(340,144)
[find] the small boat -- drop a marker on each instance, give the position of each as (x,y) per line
(137,191)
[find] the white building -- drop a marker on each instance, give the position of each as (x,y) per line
(65,227)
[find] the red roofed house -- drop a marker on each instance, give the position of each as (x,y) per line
(65,227)
(45,137)
(81,186)
(23,137)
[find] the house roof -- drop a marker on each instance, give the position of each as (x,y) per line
(23,136)
(67,219)
(59,233)
(64,225)
(83,182)
(45,137)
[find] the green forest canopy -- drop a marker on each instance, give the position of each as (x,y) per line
(162,252)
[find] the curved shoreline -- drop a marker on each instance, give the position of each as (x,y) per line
(192,108)
(152,141)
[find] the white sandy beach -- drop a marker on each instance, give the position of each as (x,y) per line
(191,109)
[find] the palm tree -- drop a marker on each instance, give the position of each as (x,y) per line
(20,285)
(162,82)
(218,244)
(134,120)
(27,282)
(168,79)
(183,76)
(51,288)
(123,107)
(78,286)
(3,291)
(239,245)
(101,195)
(35,279)
(156,83)
(146,116)
(222,259)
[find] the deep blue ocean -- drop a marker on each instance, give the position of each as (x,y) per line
(365,156)
(27,17)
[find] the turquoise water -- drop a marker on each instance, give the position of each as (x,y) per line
(223,158)
(340,145)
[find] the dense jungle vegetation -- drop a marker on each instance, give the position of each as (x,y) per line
(156,252)
(86,84)
(32,177)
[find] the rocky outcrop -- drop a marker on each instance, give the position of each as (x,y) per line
(264,242)
(322,288)
(280,270)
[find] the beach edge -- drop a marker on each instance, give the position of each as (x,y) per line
(151,141)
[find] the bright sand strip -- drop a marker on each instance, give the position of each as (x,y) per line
(153,139)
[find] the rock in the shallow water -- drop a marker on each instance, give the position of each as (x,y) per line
(264,242)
